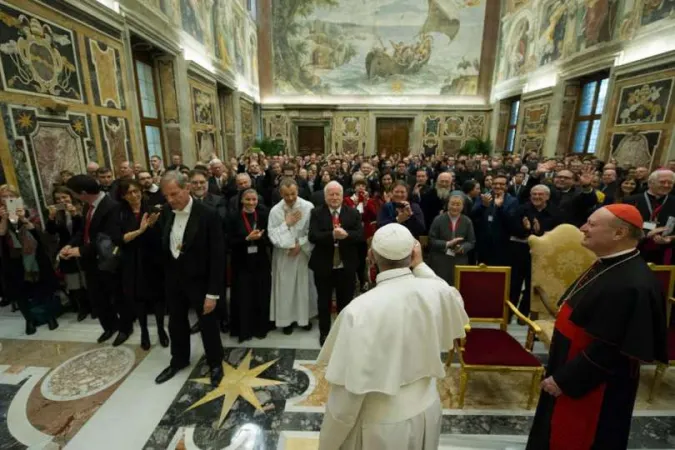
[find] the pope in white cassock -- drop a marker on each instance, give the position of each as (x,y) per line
(384,353)
(288,228)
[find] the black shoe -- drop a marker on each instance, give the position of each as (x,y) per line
(307,327)
(194,329)
(163,338)
(216,376)
(168,374)
(52,323)
(322,339)
(261,335)
(224,327)
(288,330)
(121,338)
(107,334)
(81,315)
(30,327)
(94,315)
(145,340)
(5,302)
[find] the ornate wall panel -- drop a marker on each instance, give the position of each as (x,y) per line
(38,57)
(248,128)
(349,132)
(42,145)
(115,137)
(167,89)
(106,76)
(569,108)
(532,124)
(641,118)
(277,126)
(204,104)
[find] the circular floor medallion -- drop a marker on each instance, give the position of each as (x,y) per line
(88,373)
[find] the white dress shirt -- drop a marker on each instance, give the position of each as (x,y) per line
(178,228)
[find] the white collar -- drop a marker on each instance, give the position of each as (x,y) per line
(96,202)
(393,274)
(153,188)
(186,210)
(621,253)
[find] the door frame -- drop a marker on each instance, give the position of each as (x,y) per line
(299,122)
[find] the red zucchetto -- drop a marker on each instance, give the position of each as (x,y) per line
(627,213)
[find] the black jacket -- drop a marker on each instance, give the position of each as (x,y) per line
(548,219)
(106,220)
(321,235)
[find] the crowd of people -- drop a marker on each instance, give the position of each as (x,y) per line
(284,233)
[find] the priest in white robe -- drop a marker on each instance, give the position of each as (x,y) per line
(383,354)
(288,229)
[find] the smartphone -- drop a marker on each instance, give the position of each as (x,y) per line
(13,204)
(399,205)
(60,206)
(156,209)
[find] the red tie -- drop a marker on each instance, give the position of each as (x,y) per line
(87,224)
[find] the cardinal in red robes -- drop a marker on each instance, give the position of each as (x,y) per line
(611,320)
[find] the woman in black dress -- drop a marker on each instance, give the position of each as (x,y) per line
(64,221)
(27,274)
(141,262)
(251,268)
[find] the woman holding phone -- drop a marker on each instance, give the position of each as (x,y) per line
(27,273)
(251,268)
(451,237)
(141,261)
(64,221)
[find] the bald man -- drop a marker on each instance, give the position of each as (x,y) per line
(335,230)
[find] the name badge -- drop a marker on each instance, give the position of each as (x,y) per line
(649,226)
(490,218)
(252,249)
(449,252)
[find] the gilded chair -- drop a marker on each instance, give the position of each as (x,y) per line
(666,275)
(558,259)
(485,291)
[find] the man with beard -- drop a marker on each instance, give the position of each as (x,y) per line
(243,181)
(435,200)
(151,191)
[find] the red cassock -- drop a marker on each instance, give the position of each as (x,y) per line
(613,319)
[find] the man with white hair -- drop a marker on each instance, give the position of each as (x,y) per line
(216,181)
(435,200)
(335,230)
(243,182)
(92,168)
(657,207)
(288,228)
(382,353)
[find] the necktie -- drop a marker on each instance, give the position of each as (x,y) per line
(87,224)
(336,249)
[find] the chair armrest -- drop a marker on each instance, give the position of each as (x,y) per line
(536,328)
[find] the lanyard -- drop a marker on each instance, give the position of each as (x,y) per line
(453,226)
(247,223)
(653,213)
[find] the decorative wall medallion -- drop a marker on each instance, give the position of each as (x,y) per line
(106,75)
(531,143)
(635,148)
(645,102)
(454,126)
(37,56)
(475,126)
(88,373)
(351,128)
(451,147)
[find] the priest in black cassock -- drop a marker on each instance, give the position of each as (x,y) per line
(610,321)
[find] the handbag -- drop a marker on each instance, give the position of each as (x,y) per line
(108,254)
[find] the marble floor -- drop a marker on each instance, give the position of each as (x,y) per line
(61,390)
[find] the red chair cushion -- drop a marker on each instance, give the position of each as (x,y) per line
(483,294)
(491,347)
(671,344)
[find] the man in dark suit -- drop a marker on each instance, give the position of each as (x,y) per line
(244,182)
(192,240)
(518,189)
(101,219)
(335,230)
(216,182)
(609,185)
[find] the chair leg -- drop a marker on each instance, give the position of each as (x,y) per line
(463,381)
(529,343)
(448,360)
(534,387)
(658,375)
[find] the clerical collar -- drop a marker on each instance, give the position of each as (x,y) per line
(392,274)
(617,254)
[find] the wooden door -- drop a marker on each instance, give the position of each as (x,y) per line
(393,136)
(310,140)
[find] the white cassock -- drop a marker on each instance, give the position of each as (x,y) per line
(384,356)
(291,287)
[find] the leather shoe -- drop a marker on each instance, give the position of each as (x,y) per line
(30,327)
(52,323)
(121,338)
(163,338)
(81,315)
(168,374)
(322,339)
(194,329)
(145,340)
(216,376)
(107,334)
(224,327)
(308,327)
(288,330)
